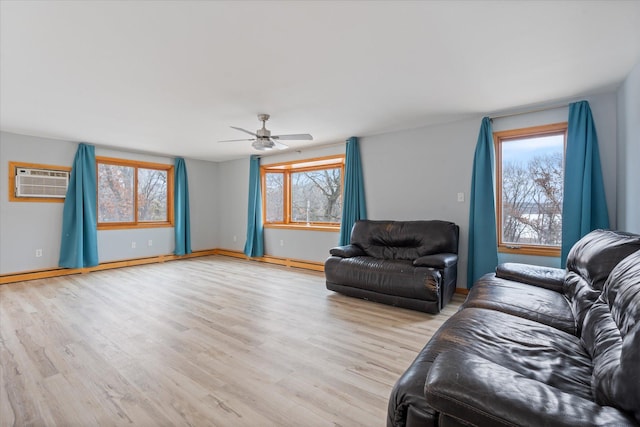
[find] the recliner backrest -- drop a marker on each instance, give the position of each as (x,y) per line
(589,263)
(611,335)
(405,239)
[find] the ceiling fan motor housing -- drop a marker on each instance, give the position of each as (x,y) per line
(264,132)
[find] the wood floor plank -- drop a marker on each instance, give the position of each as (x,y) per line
(210,341)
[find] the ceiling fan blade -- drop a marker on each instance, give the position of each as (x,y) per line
(279,145)
(234,140)
(244,130)
(294,137)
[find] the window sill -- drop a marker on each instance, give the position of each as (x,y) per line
(312,227)
(529,250)
(122,226)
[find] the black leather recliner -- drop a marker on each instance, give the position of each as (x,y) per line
(410,264)
(536,346)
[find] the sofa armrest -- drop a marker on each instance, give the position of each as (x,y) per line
(347,251)
(442,260)
(543,277)
(480,392)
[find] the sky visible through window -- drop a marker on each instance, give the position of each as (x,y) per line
(523,150)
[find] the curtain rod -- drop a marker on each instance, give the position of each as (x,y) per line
(551,107)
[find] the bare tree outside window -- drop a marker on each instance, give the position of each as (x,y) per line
(316,196)
(532,190)
(274,194)
(115,193)
(133,194)
(307,193)
(152,195)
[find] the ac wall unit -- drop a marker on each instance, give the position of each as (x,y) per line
(41,183)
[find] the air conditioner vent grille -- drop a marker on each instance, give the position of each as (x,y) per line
(41,183)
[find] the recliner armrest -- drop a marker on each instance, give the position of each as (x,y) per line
(479,392)
(442,260)
(347,251)
(543,277)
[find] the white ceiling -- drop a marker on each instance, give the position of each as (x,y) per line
(170,77)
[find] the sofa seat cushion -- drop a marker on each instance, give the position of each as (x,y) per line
(386,276)
(476,389)
(529,302)
(531,349)
(534,350)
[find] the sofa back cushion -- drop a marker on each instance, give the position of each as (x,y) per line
(611,335)
(594,256)
(405,239)
(589,263)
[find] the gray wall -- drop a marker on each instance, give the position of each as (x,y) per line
(27,226)
(603,107)
(297,244)
(204,203)
(301,244)
(629,152)
(416,174)
(411,174)
(232,203)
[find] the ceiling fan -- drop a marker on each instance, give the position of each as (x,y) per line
(263,140)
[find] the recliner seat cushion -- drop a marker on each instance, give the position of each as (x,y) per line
(390,277)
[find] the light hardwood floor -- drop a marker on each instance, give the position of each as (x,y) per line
(211,341)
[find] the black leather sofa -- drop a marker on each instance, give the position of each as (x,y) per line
(410,264)
(536,346)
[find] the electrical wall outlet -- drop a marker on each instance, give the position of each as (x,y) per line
(150,242)
(38,253)
(461,197)
(281,242)
(133,245)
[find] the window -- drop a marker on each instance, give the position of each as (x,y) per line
(304,193)
(530,173)
(134,194)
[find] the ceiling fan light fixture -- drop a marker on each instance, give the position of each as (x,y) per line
(262,145)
